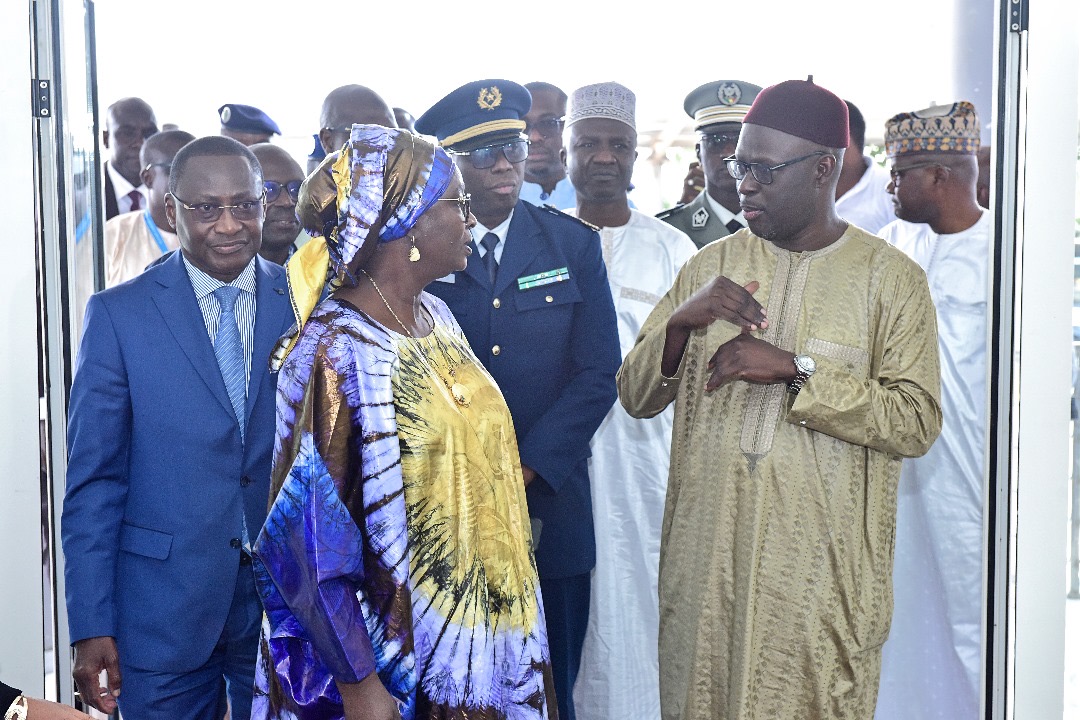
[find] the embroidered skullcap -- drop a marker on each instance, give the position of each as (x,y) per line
(375,189)
(477,113)
(802,109)
(247,119)
(719,102)
(603,100)
(937,129)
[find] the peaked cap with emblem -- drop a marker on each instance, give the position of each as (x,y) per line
(937,129)
(247,119)
(477,114)
(719,102)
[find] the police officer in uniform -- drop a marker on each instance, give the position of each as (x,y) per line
(535,305)
(247,124)
(718,109)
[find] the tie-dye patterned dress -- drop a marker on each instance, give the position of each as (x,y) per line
(398,539)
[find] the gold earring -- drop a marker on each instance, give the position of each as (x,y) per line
(414,252)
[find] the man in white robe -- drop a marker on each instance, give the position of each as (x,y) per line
(932,659)
(619,675)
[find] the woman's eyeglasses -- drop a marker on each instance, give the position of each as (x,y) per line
(464,204)
(482,158)
(273,190)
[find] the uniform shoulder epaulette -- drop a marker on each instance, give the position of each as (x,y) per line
(556,211)
(664,214)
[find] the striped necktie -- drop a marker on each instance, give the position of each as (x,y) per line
(230,352)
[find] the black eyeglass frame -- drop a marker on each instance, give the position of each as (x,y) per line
(555,127)
(739,168)
(485,157)
(272,190)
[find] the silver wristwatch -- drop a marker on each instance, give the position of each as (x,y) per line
(804,368)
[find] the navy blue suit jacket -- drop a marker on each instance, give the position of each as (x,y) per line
(158,479)
(558,352)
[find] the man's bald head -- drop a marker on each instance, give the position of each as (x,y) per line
(156,159)
(346,106)
(162,147)
(128,122)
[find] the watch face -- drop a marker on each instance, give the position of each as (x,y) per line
(805,364)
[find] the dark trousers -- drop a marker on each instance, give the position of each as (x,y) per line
(196,695)
(566,607)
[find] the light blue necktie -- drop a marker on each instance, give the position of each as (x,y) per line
(230,352)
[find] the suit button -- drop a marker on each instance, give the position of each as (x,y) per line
(245,481)
(235,543)
(549,299)
(496,350)
(496,303)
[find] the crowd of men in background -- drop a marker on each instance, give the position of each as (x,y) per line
(597,475)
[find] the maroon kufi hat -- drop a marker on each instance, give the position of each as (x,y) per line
(802,109)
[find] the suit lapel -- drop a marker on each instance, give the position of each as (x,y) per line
(523,242)
(272,318)
(176,302)
(475,267)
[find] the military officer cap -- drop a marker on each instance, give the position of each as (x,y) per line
(719,102)
(247,119)
(477,114)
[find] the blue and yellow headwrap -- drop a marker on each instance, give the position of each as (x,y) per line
(382,179)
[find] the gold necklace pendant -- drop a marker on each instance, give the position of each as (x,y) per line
(387,304)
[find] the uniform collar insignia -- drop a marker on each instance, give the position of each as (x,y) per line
(699,218)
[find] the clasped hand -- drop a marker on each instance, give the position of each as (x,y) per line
(744,357)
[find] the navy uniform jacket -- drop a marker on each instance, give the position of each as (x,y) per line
(554,351)
(158,479)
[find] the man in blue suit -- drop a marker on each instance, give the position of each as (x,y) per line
(170,437)
(535,304)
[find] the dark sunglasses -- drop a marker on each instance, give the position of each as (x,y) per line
(273,190)
(547,128)
(719,141)
(485,157)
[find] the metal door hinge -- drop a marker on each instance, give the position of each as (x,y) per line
(1018,16)
(41,92)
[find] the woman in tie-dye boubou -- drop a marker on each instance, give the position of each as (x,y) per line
(395,563)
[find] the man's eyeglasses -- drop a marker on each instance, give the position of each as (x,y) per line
(547,128)
(738,169)
(464,204)
(273,190)
(166,166)
(482,158)
(719,141)
(897,173)
(243,211)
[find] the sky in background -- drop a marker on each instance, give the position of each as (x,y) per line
(187,58)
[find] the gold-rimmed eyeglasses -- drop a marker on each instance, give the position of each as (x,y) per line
(464,204)
(242,211)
